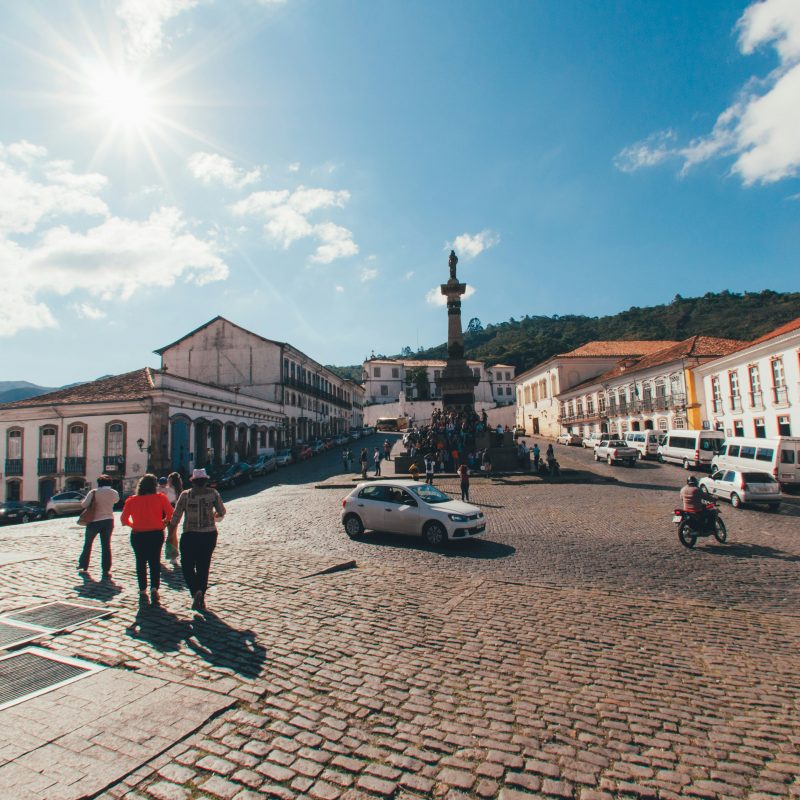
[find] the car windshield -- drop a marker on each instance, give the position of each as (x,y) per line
(430,494)
(616,443)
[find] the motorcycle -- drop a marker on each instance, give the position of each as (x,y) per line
(692,525)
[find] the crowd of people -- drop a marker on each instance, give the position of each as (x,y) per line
(154,514)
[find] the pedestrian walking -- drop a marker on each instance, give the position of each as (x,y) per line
(387,450)
(376,457)
(173,491)
(413,471)
(345,453)
(146,513)
(430,464)
(463,474)
(363,462)
(536,456)
(201,508)
(102,501)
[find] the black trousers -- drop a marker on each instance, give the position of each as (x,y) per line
(104,528)
(147,549)
(196,551)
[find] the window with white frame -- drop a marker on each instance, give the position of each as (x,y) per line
(760,428)
(76,444)
(14,445)
(716,394)
(784,426)
(663,424)
(115,439)
(47,442)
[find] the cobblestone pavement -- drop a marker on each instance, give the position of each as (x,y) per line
(577,651)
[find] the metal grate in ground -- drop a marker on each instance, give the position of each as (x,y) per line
(57,616)
(11,635)
(31,672)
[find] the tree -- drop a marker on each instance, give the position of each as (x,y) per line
(418,378)
(475,326)
(406,352)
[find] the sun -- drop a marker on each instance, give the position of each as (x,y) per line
(122,98)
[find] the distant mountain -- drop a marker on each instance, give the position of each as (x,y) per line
(349,373)
(22,390)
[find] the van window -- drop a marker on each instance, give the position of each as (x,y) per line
(787,456)
(747,452)
(723,449)
(733,450)
(765,454)
(710,445)
(683,442)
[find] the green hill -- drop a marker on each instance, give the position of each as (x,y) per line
(530,340)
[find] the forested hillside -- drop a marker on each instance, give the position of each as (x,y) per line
(527,341)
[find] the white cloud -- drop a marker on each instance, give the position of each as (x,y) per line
(33,190)
(759,130)
(144,22)
(87,311)
(468,245)
(409,274)
(113,259)
(368,274)
(210,168)
(435,297)
(340,289)
(294,166)
(285,217)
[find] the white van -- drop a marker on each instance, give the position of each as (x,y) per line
(690,448)
(646,442)
(780,457)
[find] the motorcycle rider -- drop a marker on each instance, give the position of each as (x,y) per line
(692,500)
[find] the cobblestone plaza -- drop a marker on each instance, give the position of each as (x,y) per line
(576,651)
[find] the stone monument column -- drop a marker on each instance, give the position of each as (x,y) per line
(457,381)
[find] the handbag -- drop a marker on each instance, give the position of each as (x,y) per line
(87,515)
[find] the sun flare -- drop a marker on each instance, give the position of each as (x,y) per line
(122,98)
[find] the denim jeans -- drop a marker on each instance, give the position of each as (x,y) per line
(104,527)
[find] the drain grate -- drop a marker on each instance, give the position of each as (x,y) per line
(57,616)
(31,672)
(16,634)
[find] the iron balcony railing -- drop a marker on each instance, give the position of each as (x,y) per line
(736,402)
(115,464)
(46,466)
(13,466)
(757,400)
(717,406)
(780,395)
(74,465)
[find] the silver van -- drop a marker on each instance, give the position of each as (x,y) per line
(690,448)
(780,457)
(646,442)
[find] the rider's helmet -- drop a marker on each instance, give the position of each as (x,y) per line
(691,480)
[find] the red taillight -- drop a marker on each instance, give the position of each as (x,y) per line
(344,502)
(742,484)
(696,455)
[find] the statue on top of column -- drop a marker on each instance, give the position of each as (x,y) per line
(452,262)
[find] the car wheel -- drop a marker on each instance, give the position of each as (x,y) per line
(686,535)
(774,507)
(26,518)
(660,459)
(353,526)
(720,531)
(435,534)
(632,462)
(51,514)
(736,501)
(596,457)
(686,464)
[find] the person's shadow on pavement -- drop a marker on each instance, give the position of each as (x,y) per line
(97,590)
(223,646)
(160,628)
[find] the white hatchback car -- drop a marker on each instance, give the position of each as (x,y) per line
(410,507)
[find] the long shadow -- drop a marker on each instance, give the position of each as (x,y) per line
(223,646)
(479,549)
(744,550)
(173,577)
(97,590)
(161,628)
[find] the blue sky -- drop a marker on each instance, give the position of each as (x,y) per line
(303,166)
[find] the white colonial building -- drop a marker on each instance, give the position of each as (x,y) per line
(223,394)
(315,400)
(386,379)
(755,390)
(538,389)
(653,392)
(125,425)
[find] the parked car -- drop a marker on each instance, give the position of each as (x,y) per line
(614,451)
(264,464)
(355,434)
(569,439)
(317,447)
(743,487)
(234,475)
(406,506)
(591,440)
(341,440)
(328,444)
(304,452)
(284,458)
(367,431)
(12,511)
(64,504)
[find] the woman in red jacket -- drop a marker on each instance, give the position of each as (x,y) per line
(146,513)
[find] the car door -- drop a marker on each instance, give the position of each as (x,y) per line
(371,506)
(725,484)
(402,511)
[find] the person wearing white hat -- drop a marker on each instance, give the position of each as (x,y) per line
(201,508)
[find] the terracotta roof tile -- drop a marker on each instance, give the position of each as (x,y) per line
(128,386)
(793,325)
(619,348)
